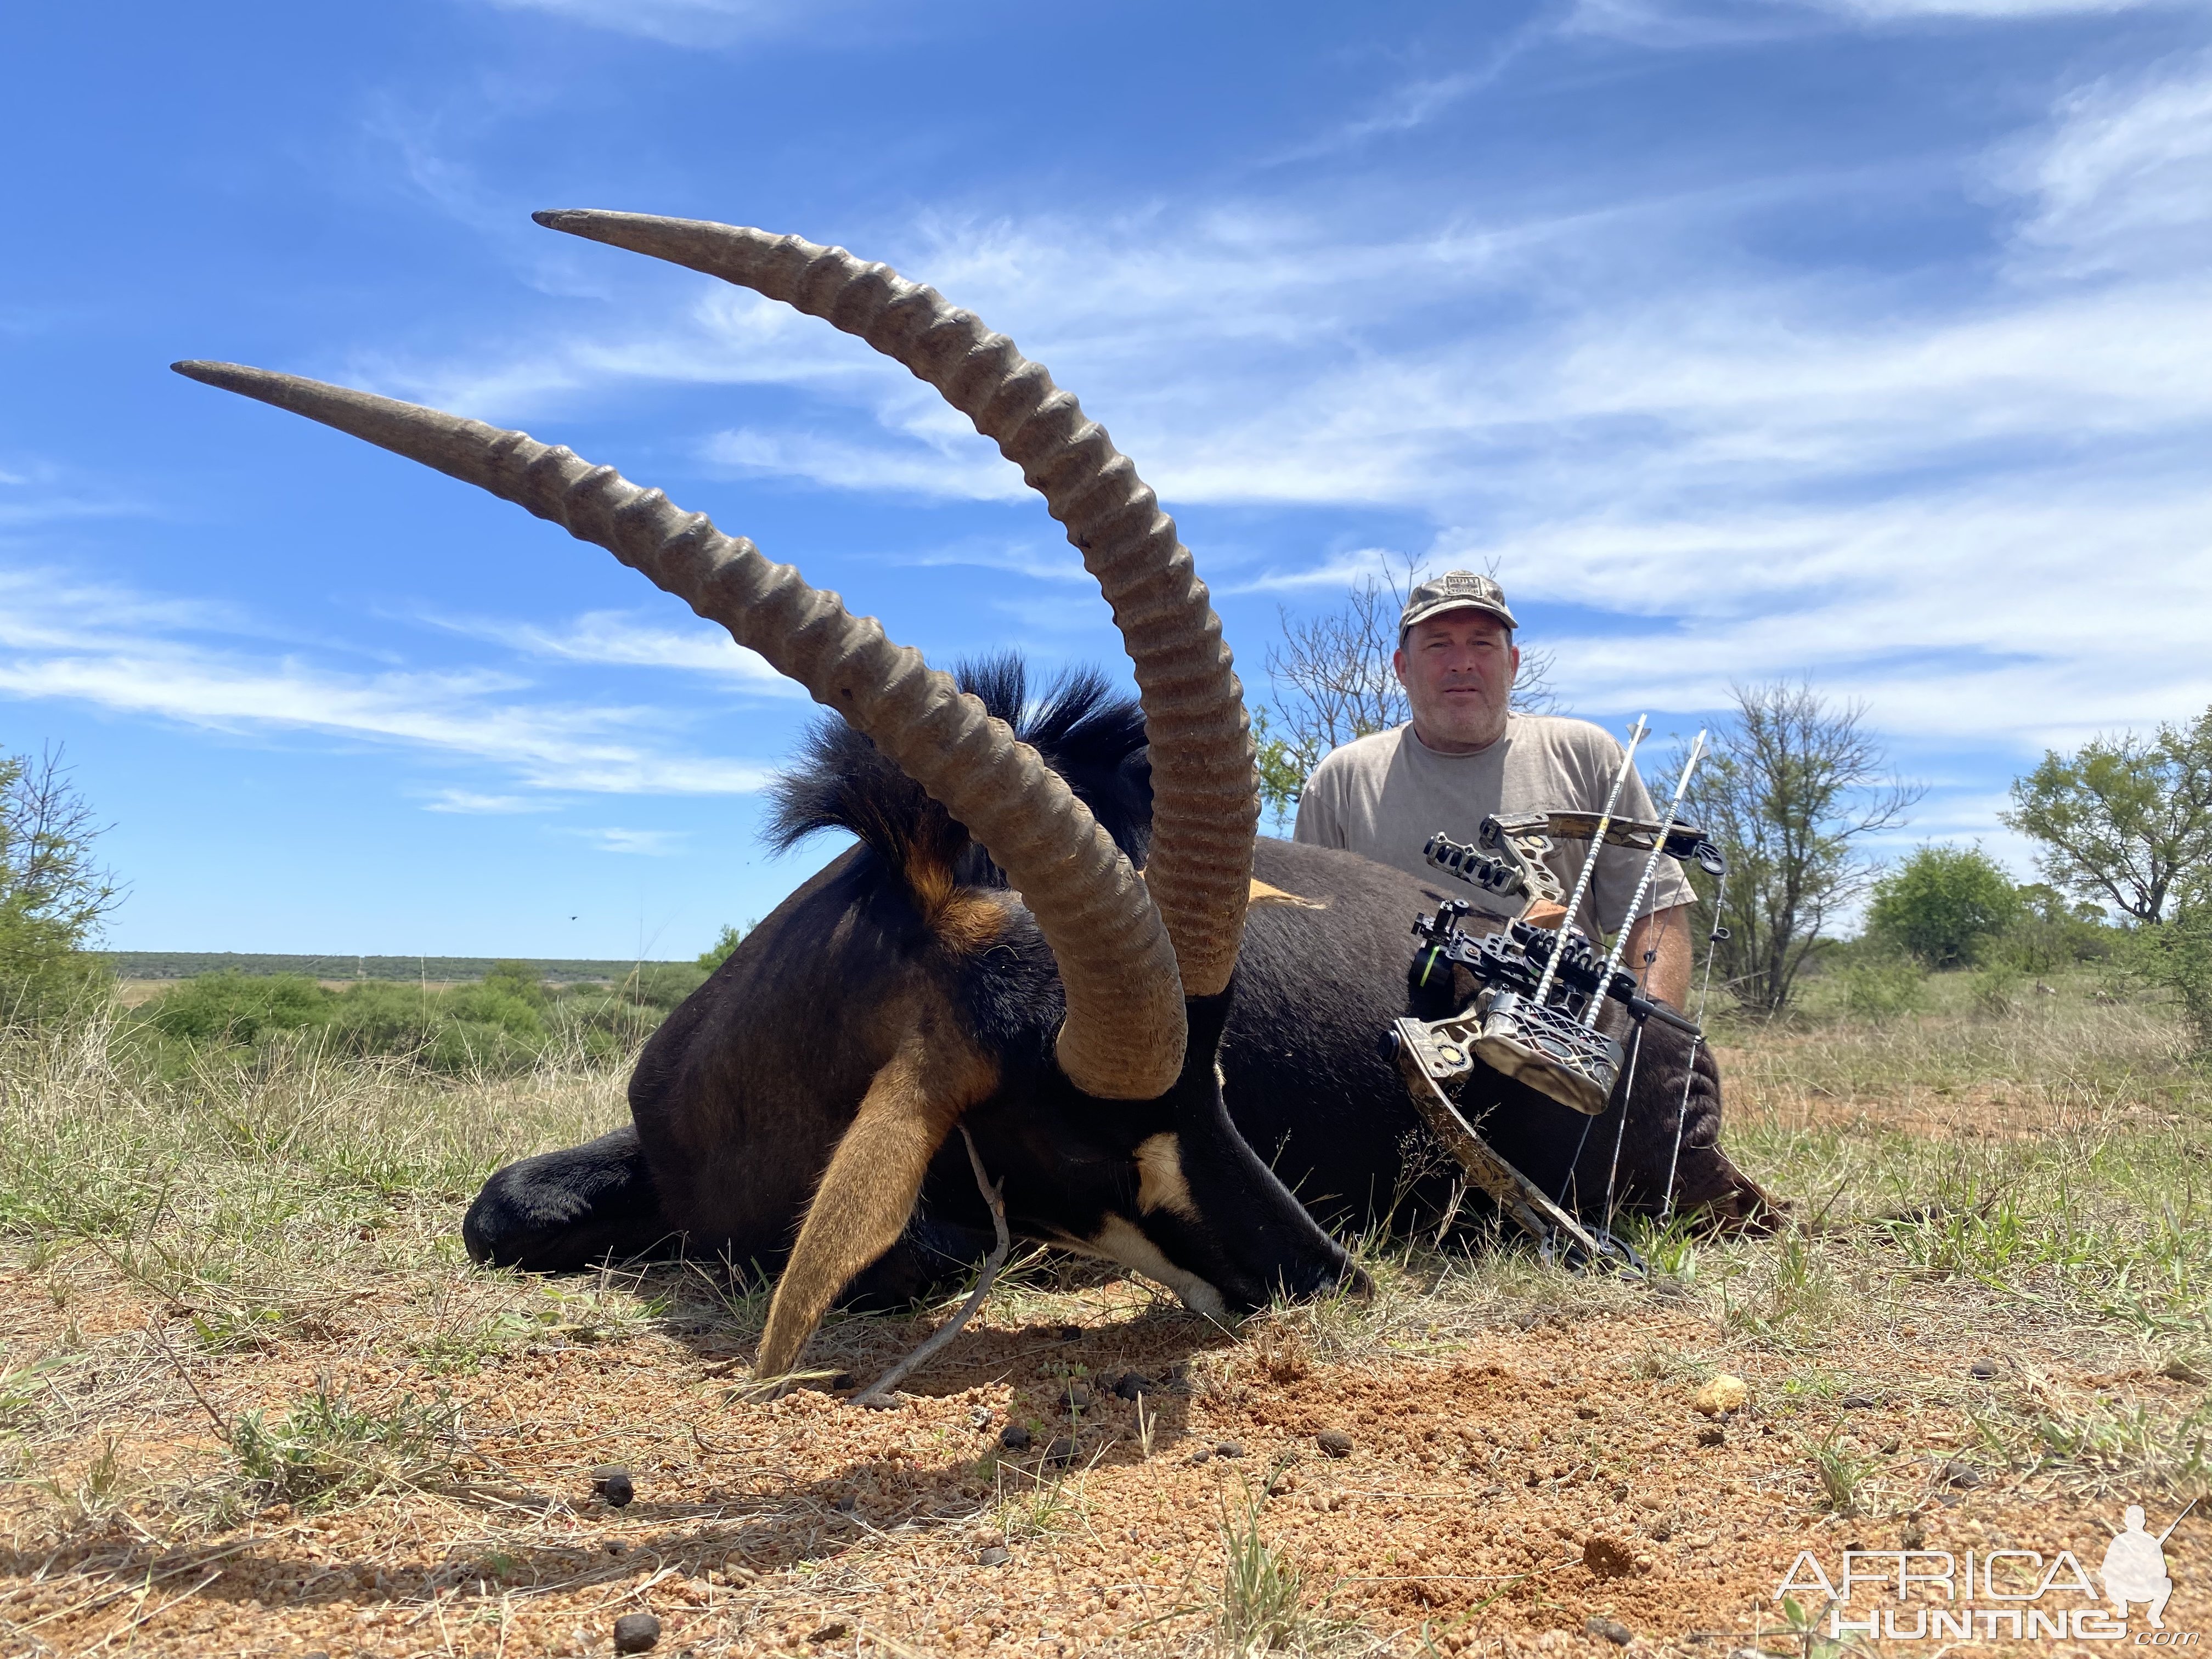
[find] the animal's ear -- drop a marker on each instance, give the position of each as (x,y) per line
(874,1176)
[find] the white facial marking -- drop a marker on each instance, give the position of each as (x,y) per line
(1160,1185)
(1118,1241)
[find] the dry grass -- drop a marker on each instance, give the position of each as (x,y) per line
(253,1396)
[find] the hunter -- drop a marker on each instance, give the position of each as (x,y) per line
(1466,752)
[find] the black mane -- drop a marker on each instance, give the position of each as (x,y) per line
(1088,733)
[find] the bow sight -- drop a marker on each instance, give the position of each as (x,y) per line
(1540,989)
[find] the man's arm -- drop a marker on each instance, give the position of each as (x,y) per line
(1664,935)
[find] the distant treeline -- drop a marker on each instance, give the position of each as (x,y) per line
(190,964)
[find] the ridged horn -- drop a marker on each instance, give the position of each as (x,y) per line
(1205,798)
(1124,1035)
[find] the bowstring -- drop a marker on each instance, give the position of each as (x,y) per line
(1620,1129)
(1690,1071)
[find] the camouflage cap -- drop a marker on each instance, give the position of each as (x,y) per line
(1450,591)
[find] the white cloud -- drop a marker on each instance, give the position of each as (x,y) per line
(112,649)
(622,640)
(1978,499)
(2124,180)
(467,800)
(648,843)
(979,475)
(1059,563)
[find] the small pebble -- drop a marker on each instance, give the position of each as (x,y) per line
(1334,1442)
(1061,1451)
(1134,1384)
(1724,1393)
(1983,1369)
(1076,1397)
(1203,1454)
(636,1632)
(1961,1475)
(1611,1629)
(1014,1437)
(1229,1449)
(612,1482)
(996,1556)
(1712,1434)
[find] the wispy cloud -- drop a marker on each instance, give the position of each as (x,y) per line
(646,843)
(111,649)
(1059,564)
(467,800)
(2124,182)
(694,22)
(620,638)
(38,493)
(974,475)
(1952,488)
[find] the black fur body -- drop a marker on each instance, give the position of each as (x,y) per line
(741,1096)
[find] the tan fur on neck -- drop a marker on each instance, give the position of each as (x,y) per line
(874,1176)
(1263,894)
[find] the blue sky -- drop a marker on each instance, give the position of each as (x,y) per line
(1868,340)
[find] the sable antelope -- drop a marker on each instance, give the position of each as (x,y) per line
(1042,936)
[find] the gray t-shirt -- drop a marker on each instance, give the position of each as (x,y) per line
(1383,796)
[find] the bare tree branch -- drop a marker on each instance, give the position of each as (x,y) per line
(1790,790)
(1334,682)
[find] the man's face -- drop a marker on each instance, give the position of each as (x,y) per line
(1457,667)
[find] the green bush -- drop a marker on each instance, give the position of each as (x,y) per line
(240,1008)
(52,895)
(2052,931)
(1943,905)
(506,1022)
(1880,986)
(2178,954)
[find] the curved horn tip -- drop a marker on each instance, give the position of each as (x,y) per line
(588,222)
(201,369)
